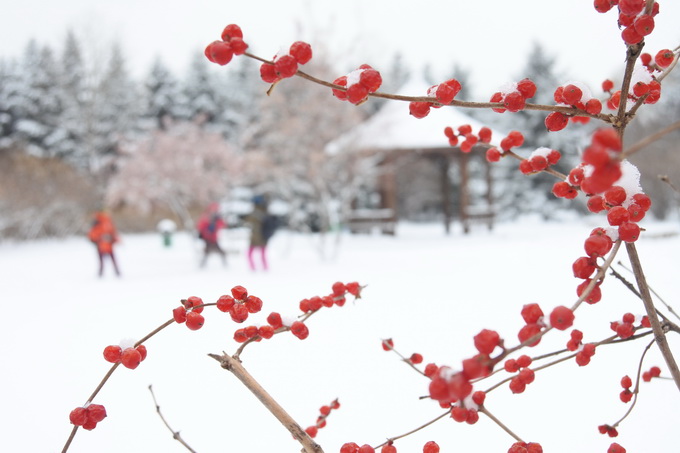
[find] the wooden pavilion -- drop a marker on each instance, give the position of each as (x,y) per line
(393,133)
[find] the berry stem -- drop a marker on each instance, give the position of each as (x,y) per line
(175,434)
(413,431)
(234,365)
(637,386)
(659,334)
(484,410)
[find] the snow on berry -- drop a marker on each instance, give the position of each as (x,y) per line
(359,84)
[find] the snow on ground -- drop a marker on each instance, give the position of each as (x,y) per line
(430,292)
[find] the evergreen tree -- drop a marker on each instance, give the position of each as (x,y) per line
(202,90)
(163,95)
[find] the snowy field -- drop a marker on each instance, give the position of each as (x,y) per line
(430,292)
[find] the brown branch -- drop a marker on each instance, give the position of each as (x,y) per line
(659,334)
(649,140)
(175,434)
(229,363)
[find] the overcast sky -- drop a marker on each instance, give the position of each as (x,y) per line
(490,38)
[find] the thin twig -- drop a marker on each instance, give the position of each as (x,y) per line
(665,304)
(649,140)
(425,425)
(484,411)
(659,334)
(175,434)
(637,386)
(234,365)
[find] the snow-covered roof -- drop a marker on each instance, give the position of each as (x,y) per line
(392,127)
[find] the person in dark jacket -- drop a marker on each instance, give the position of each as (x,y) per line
(258,237)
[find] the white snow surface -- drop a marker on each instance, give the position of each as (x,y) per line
(428,291)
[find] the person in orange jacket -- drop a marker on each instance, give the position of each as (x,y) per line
(103,235)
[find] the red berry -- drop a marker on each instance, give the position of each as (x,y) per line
(112,353)
(629,232)
(642,200)
(419,109)
(142,351)
(239,293)
(301,51)
(431,447)
(626,382)
(593,106)
(195,320)
(340,94)
(354,289)
(531,313)
(572,94)
(529,331)
(602,6)
(485,135)
(268,73)
(527,88)
(194,302)
(285,66)
(96,412)
(253,304)
(349,447)
(595,294)
(366,449)
(525,167)
(388,449)
(561,318)
(219,52)
(371,79)
(131,358)
(224,303)
(636,212)
(312,431)
(597,245)
(486,341)
(357,93)
(416,358)
(563,189)
(607,85)
(497,97)
(615,195)
(664,58)
(514,102)
(78,416)
(238,313)
(608,138)
(631,36)
(524,361)
(616,448)
(584,267)
(459,414)
(240,336)
(618,215)
(274,320)
(238,45)
(517,385)
(388,344)
(493,155)
(556,121)
(299,329)
(511,365)
(595,204)
(232,31)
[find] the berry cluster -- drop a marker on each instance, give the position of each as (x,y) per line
(129,357)
(625,328)
(190,313)
(444,93)
(469,139)
(88,416)
(358,84)
(221,52)
(525,376)
(636,20)
(539,160)
(643,85)
(608,430)
(525,447)
(534,324)
(626,394)
(514,96)
(239,304)
(576,95)
(324,412)
(351,447)
(653,372)
(285,65)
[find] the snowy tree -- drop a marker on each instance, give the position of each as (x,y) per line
(163,95)
(203,91)
(181,167)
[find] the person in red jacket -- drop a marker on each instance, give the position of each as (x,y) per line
(209,226)
(103,235)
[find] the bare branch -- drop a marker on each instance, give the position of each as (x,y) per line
(175,434)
